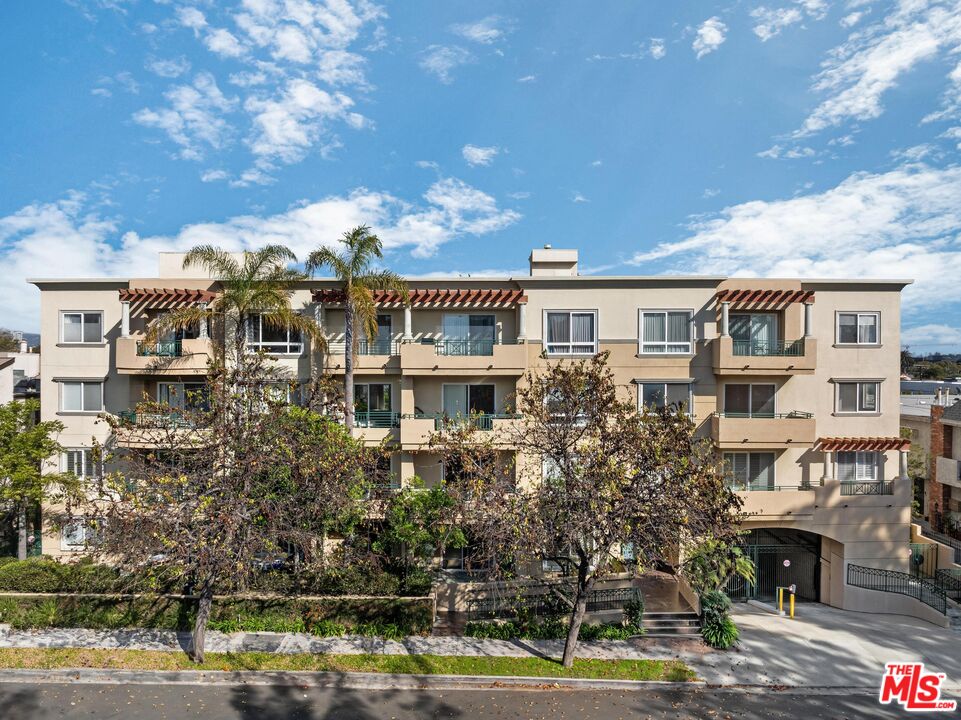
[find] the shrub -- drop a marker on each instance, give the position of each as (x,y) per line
(547,629)
(634,612)
(717,627)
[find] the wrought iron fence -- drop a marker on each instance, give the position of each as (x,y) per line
(884,487)
(950,581)
(768,349)
(946,540)
(902,583)
(166,348)
(758,487)
(924,559)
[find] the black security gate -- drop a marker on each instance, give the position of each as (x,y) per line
(769,549)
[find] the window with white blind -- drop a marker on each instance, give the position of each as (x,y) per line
(571,332)
(660,395)
(81,396)
(859,466)
(80,462)
(78,534)
(857,396)
(667,332)
(858,328)
(751,470)
(81,327)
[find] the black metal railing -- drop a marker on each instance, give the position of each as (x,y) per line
(768,349)
(901,583)
(946,540)
(376,419)
(365,347)
(950,581)
(883,487)
(164,348)
(540,600)
(765,487)
(794,414)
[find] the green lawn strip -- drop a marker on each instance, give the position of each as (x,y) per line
(50,658)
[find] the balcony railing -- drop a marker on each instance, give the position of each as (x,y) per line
(794,414)
(376,419)
(761,348)
(154,420)
(164,348)
(482,347)
(770,487)
(365,347)
(481,421)
(902,583)
(883,487)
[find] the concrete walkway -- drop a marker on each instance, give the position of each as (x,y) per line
(823,647)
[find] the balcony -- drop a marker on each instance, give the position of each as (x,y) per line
(884,487)
(417,429)
(949,471)
(375,426)
(781,430)
(156,429)
(463,357)
(174,357)
(745,357)
(377,355)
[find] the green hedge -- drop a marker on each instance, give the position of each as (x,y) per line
(392,617)
(550,629)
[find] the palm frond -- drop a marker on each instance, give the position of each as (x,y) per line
(365,310)
(178,319)
(339,263)
(268,259)
(219,263)
(385,280)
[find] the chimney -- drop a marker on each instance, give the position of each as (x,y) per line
(23,346)
(548,262)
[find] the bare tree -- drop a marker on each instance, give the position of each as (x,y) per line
(593,477)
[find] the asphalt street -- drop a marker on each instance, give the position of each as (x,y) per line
(182,702)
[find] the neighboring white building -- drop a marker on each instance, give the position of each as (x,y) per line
(20,379)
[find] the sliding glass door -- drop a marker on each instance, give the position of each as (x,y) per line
(754,333)
(468,334)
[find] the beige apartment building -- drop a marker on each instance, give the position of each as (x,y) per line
(794,381)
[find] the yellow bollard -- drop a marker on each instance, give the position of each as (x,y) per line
(780,600)
(792,606)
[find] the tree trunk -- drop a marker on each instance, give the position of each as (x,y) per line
(200,623)
(577,619)
(21,531)
(348,364)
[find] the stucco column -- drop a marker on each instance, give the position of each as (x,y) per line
(830,469)
(725,322)
(903,464)
(808,320)
(202,333)
(125,318)
(408,325)
(522,322)
(500,333)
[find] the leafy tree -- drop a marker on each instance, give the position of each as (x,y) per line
(261,284)
(8,341)
(353,268)
(418,522)
(25,445)
(227,486)
(593,477)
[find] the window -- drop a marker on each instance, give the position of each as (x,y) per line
(858,328)
(81,327)
(81,396)
(751,471)
(858,466)
(372,405)
(78,534)
(667,331)
(749,400)
(858,397)
(571,333)
(273,340)
(658,395)
(464,400)
(754,334)
(468,334)
(80,462)
(183,396)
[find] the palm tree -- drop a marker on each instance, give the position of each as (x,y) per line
(352,267)
(261,284)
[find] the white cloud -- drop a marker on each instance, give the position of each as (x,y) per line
(224,43)
(597,163)
(194,118)
(771,21)
(214,175)
(527,79)
(710,35)
(851,19)
(101,92)
(873,60)
(191,17)
(490,30)
(170,68)
(657,48)
(519,195)
(898,224)
(247,79)
(475,155)
(72,237)
(440,60)
(339,67)
(777,151)
(710,192)
(932,335)
(578,198)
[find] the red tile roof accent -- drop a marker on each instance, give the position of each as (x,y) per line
(149,297)
(767,298)
(834,444)
(434,297)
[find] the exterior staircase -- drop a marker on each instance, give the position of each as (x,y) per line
(678,625)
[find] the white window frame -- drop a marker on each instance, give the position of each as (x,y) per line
(858,315)
(81,341)
(569,345)
(859,410)
(257,329)
(82,383)
(689,349)
(750,397)
(86,458)
(690,392)
(861,462)
(86,534)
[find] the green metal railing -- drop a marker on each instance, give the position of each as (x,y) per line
(924,559)
(794,414)
(166,348)
(901,583)
(481,421)
(769,349)
(154,420)
(883,487)
(376,419)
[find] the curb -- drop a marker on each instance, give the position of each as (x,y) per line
(359,681)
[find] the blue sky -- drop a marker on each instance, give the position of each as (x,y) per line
(750,137)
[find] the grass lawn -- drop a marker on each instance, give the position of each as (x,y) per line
(46,658)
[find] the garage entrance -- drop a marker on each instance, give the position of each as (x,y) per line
(769,548)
